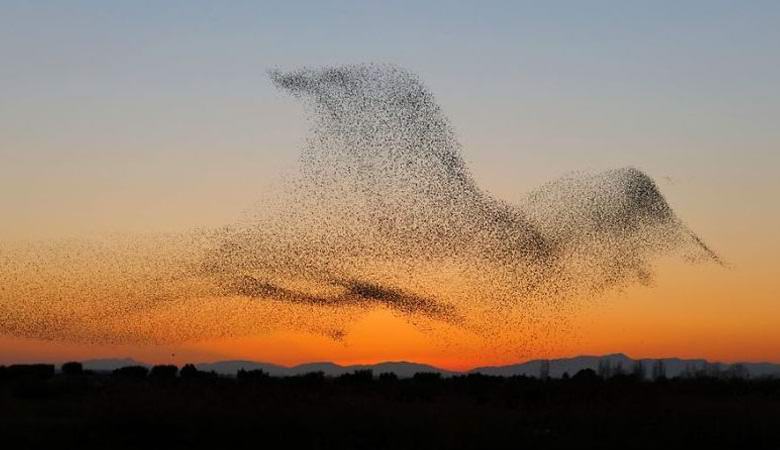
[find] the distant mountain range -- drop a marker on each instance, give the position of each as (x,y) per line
(557,367)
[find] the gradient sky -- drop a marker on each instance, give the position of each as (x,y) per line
(158,116)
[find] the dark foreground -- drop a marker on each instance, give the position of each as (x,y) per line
(163,409)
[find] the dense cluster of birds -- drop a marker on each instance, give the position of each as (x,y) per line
(382,213)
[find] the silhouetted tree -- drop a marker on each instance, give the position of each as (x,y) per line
(427,377)
(738,371)
(713,370)
(72,368)
(689,371)
(131,372)
(357,377)
(638,371)
(388,377)
(544,369)
(164,372)
(30,371)
(310,379)
(254,375)
(189,371)
(605,369)
(618,369)
(586,376)
(659,370)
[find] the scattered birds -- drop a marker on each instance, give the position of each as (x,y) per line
(382,213)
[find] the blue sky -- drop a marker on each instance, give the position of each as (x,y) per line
(112,111)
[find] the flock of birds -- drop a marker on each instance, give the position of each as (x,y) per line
(382,213)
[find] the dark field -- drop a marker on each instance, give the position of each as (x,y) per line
(165,409)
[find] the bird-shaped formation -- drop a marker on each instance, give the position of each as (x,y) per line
(382,213)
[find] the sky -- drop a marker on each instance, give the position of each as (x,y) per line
(159,116)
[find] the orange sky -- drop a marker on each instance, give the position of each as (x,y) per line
(727,313)
(691,311)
